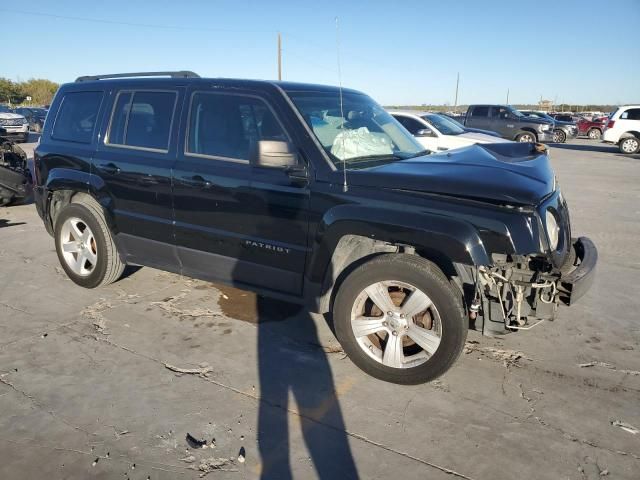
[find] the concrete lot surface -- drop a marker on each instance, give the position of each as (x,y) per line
(89,387)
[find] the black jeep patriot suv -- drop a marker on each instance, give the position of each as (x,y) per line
(310,194)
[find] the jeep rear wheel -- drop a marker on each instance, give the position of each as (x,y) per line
(526,137)
(399,319)
(594,134)
(629,145)
(85,246)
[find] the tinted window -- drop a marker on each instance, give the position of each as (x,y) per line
(142,119)
(480,112)
(410,124)
(76,118)
(228,125)
(499,112)
(631,114)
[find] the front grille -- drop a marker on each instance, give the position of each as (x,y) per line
(11,122)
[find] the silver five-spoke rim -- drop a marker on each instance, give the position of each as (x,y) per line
(78,246)
(526,138)
(396,324)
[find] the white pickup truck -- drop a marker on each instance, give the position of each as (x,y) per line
(437,132)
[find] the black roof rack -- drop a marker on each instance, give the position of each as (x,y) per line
(177,74)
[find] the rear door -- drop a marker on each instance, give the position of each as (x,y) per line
(233,224)
(501,121)
(478,117)
(134,163)
(629,120)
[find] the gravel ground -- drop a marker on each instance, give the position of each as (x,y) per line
(89,387)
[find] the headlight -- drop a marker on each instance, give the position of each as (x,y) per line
(3,121)
(553,231)
(543,127)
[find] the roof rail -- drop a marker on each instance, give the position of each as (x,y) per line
(176,74)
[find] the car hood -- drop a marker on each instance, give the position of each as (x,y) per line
(502,173)
(561,123)
(482,137)
(9,116)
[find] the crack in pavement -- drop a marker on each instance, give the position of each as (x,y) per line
(292,411)
(42,407)
(122,458)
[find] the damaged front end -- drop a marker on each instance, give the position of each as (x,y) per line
(15,177)
(519,291)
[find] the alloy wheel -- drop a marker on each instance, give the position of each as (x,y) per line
(630,145)
(78,245)
(396,324)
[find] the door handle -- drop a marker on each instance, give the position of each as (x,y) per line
(110,168)
(197,181)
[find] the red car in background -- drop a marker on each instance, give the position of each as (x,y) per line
(592,128)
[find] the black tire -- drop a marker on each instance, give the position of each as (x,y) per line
(531,137)
(629,145)
(559,136)
(109,266)
(424,275)
(594,134)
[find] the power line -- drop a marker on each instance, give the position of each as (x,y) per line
(129,24)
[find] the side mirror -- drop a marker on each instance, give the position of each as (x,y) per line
(425,133)
(273,154)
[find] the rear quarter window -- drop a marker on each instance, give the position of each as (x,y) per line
(76,118)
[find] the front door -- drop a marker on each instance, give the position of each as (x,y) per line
(234,223)
(134,163)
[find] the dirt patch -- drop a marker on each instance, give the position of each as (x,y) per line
(249,307)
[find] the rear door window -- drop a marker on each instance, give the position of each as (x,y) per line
(76,118)
(480,112)
(226,125)
(631,114)
(142,119)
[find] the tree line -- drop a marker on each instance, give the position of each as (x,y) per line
(40,90)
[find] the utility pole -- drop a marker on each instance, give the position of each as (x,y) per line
(507,96)
(279,56)
(455,106)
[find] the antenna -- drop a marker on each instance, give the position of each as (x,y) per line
(344,163)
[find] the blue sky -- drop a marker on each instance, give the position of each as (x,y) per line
(400,52)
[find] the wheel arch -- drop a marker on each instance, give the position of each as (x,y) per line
(343,244)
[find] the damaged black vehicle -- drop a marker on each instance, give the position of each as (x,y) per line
(15,177)
(310,194)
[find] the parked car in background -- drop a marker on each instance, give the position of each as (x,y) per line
(454,118)
(15,177)
(623,129)
(34,115)
(312,194)
(438,132)
(509,123)
(592,128)
(562,130)
(16,126)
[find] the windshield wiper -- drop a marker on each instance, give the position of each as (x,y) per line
(383,156)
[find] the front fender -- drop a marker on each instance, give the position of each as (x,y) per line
(455,239)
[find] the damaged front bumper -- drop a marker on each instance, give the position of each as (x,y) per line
(519,293)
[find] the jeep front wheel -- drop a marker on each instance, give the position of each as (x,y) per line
(399,319)
(85,246)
